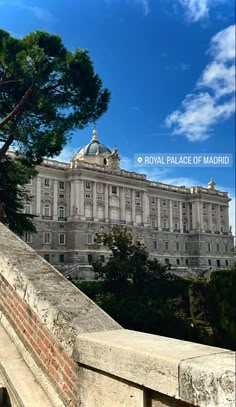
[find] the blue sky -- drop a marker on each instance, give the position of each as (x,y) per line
(168,65)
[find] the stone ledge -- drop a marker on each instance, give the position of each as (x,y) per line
(60,306)
(162,364)
(17,377)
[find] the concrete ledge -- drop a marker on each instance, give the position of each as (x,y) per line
(59,305)
(18,379)
(166,365)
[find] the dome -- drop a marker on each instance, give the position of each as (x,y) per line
(94,148)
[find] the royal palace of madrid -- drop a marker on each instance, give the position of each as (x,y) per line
(187,228)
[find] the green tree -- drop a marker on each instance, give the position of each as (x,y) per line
(46,92)
(129,262)
(14,174)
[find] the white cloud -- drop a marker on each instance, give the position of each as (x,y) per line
(213,99)
(65,155)
(195,9)
(40,13)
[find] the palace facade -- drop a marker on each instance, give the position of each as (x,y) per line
(185,227)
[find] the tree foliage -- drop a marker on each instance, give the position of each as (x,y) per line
(14,174)
(46,91)
(142,295)
(129,262)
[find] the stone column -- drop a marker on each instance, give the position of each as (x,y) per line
(122,203)
(209,216)
(181,217)
(226,218)
(144,207)
(171,216)
(218,217)
(95,201)
(133,206)
(72,198)
(55,197)
(76,197)
(81,200)
(194,216)
(38,199)
(200,214)
(106,203)
(159,214)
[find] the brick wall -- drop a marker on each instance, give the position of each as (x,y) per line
(50,356)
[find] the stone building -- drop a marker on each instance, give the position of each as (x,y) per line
(185,227)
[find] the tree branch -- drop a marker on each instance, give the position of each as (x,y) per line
(18,107)
(7,144)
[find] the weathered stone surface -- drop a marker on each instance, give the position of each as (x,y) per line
(209,381)
(64,309)
(147,360)
(22,386)
(100,390)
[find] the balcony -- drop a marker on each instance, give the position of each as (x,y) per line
(176,230)
(165,229)
(217,232)
(62,218)
(116,221)
(225,233)
(207,231)
(46,217)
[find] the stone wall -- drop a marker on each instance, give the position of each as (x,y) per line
(83,358)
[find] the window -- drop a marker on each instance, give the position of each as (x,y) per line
(101,228)
(62,238)
(100,198)
(153,201)
(167,262)
(114,190)
(166,245)
(100,188)
(27,208)
(164,225)
(221,208)
(226,262)
(47,211)
(186,262)
(47,182)
(62,196)
(176,226)
(90,258)
(185,227)
(186,247)
(29,182)
(87,195)
(47,237)
(153,223)
(102,258)
(88,185)
(204,205)
(226,248)
(209,262)
(62,185)
(61,227)
(61,258)
(61,212)
(213,207)
(46,257)
(217,247)
(138,194)
(183,205)
(175,204)
(90,239)
(154,244)
(209,247)
(28,237)
(164,202)
(218,263)
(177,262)
(177,246)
